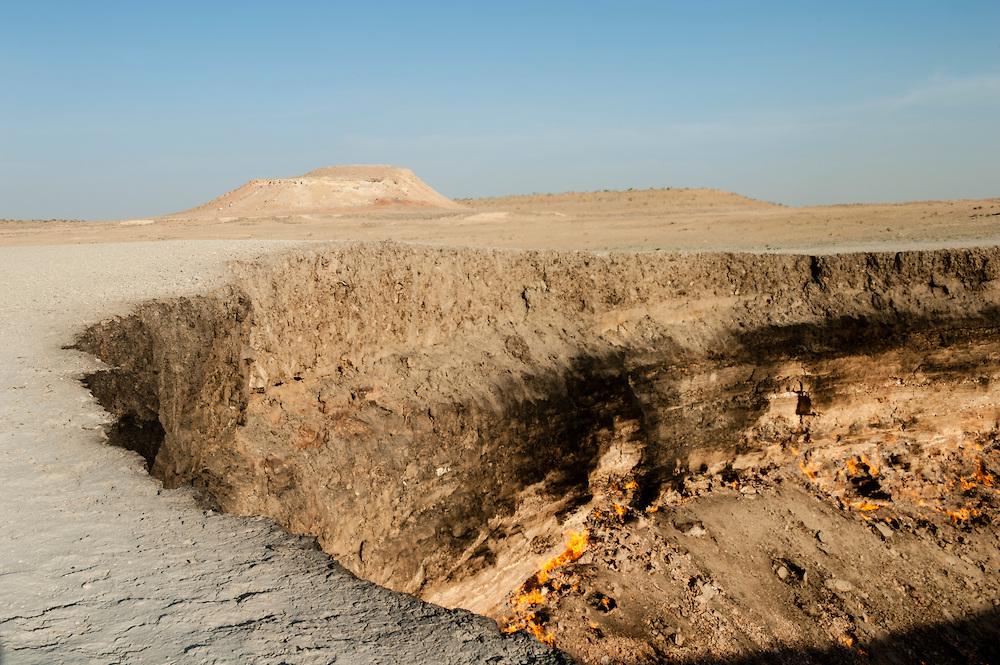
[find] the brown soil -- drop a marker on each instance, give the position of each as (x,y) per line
(785,458)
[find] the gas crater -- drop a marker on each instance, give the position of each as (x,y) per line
(640,457)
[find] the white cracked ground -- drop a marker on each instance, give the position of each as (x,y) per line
(98,564)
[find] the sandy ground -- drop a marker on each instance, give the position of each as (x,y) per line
(99,565)
(640,220)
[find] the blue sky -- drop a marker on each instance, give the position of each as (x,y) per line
(113,110)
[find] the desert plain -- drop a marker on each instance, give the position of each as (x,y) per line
(339,417)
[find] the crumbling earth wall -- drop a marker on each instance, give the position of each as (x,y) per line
(438,416)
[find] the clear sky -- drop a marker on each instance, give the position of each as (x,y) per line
(130,109)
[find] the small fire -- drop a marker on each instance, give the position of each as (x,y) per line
(809,470)
(872,469)
(534,594)
(865,506)
(631,485)
(854,466)
(528,623)
(620,510)
(981,476)
(962,514)
(574,550)
(531,598)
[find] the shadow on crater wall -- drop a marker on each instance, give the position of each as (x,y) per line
(972,641)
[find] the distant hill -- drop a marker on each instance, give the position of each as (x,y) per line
(617,202)
(327,190)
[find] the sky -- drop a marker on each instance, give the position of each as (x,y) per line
(114,110)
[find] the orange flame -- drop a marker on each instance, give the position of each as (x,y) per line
(810,470)
(620,510)
(574,550)
(525,619)
(866,506)
(872,469)
(962,514)
(631,485)
(531,598)
(528,623)
(981,475)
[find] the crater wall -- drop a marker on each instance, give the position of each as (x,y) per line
(438,417)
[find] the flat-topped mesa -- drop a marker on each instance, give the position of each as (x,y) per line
(334,189)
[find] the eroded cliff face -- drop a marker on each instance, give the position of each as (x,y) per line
(440,417)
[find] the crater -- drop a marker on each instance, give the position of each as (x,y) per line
(549,438)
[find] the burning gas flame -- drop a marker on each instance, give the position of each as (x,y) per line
(532,592)
(531,598)
(528,623)
(981,476)
(574,550)
(854,466)
(962,514)
(809,470)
